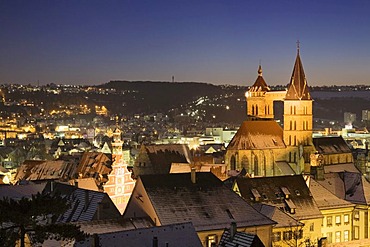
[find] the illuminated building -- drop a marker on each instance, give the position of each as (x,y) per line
(120,184)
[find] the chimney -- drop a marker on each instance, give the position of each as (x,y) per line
(76,183)
(232,230)
(155,242)
(51,185)
(193,176)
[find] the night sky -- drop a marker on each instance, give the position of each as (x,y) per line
(91,42)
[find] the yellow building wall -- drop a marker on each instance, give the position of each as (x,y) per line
(336,221)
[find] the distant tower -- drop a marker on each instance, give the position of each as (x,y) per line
(298,115)
(257,104)
(173,78)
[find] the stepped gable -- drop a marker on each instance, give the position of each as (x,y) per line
(259,134)
(298,88)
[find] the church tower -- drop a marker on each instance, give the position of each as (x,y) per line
(298,116)
(257,105)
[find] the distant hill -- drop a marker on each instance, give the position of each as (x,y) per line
(149,96)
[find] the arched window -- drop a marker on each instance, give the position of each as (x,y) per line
(232,163)
(256,110)
(295,125)
(295,110)
(291,125)
(255,166)
(291,109)
(245,163)
(290,140)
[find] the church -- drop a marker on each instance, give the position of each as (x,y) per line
(261,146)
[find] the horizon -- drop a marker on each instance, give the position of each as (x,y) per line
(217,42)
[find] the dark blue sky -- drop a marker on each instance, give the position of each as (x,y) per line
(221,42)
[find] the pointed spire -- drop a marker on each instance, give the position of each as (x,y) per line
(259,70)
(259,85)
(298,88)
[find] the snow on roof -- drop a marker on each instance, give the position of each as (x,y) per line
(254,134)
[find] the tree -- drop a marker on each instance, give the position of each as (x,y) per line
(36,217)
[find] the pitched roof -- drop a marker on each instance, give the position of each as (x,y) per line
(181,235)
(324,198)
(84,203)
(208,204)
(257,135)
(298,88)
(277,215)
(331,145)
(19,191)
(348,167)
(161,157)
(350,186)
(259,85)
(240,239)
(289,193)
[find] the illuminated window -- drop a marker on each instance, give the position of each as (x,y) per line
(346,219)
(329,237)
(346,235)
(356,230)
(276,237)
(211,240)
(337,237)
(287,235)
(329,220)
(338,219)
(312,227)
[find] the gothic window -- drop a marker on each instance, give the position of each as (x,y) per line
(291,125)
(232,163)
(291,109)
(255,166)
(295,125)
(294,110)
(290,140)
(256,110)
(245,163)
(295,141)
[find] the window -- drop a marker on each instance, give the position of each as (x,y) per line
(346,219)
(329,237)
(312,227)
(287,235)
(346,235)
(329,221)
(356,231)
(276,236)
(337,220)
(211,240)
(337,237)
